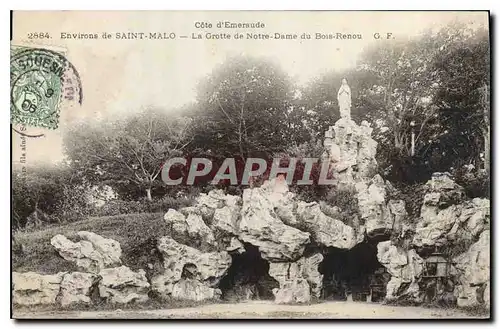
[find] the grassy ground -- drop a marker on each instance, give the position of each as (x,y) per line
(136,233)
(150,304)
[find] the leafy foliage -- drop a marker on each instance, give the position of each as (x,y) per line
(45,194)
(434,87)
(245,110)
(127,152)
(121,207)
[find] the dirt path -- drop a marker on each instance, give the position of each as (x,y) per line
(264,309)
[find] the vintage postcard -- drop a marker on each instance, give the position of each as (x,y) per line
(237,164)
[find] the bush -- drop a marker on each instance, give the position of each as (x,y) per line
(43,194)
(120,207)
(74,204)
(412,195)
(476,184)
(311,149)
(347,201)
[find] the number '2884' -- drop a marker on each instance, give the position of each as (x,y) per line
(39,35)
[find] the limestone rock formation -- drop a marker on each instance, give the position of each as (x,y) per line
(293,291)
(225,220)
(352,150)
(473,268)
(31,288)
(325,230)
(76,288)
(310,271)
(398,214)
(445,217)
(210,224)
(184,262)
(261,226)
(235,246)
(381,217)
(215,199)
(305,268)
(265,240)
(189,289)
(474,219)
(190,227)
(372,206)
(122,285)
(405,267)
(91,254)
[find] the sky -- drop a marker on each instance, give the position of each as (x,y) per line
(120,76)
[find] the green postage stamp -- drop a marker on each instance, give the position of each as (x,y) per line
(40,80)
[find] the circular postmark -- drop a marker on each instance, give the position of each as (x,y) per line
(41,81)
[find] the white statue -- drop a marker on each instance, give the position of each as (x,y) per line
(344,99)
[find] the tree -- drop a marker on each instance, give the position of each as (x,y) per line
(426,98)
(245,109)
(463,98)
(404,99)
(319,99)
(37,194)
(127,152)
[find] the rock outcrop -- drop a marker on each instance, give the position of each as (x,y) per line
(447,223)
(189,289)
(289,275)
(187,267)
(290,240)
(352,151)
(77,288)
(261,226)
(445,216)
(212,223)
(190,227)
(208,203)
(92,253)
(405,268)
(473,269)
(31,288)
(325,230)
(293,291)
(122,285)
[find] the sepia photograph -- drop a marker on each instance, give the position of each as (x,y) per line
(250,164)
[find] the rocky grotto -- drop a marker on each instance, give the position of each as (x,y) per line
(269,244)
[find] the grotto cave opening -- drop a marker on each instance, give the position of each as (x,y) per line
(248,277)
(355,272)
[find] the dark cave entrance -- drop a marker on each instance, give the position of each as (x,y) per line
(248,277)
(356,272)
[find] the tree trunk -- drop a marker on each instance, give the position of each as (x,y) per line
(148,194)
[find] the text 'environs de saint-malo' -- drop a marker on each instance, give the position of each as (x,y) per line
(226,31)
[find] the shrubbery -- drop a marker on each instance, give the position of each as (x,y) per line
(412,195)
(476,184)
(47,195)
(119,207)
(73,205)
(347,201)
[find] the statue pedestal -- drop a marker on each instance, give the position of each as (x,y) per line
(351,150)
(329,135)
